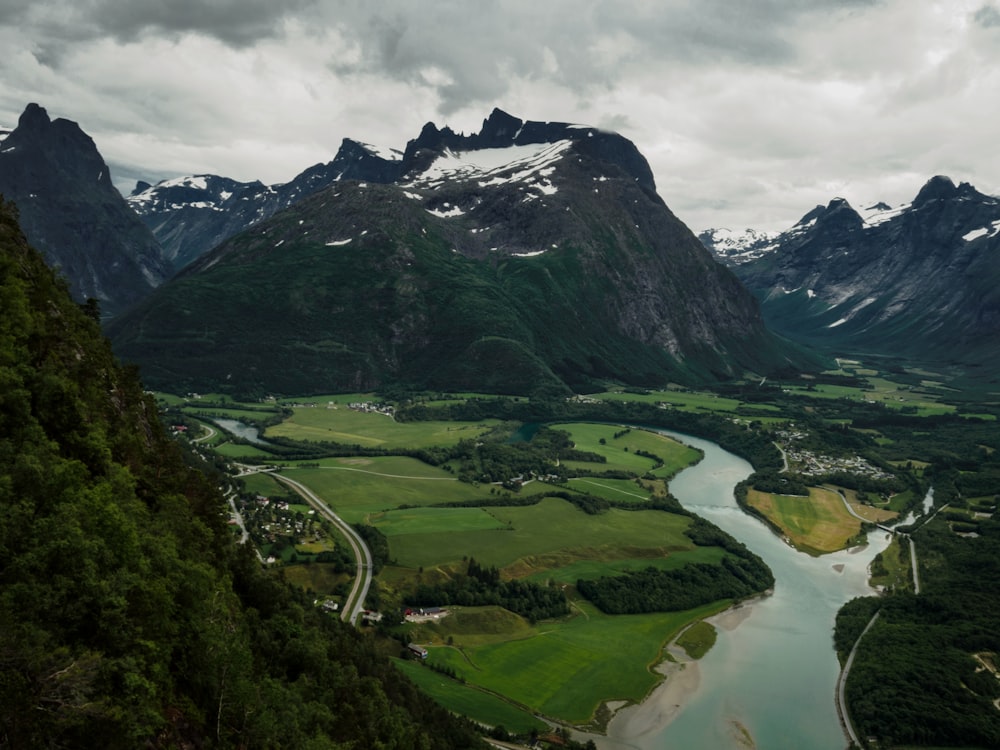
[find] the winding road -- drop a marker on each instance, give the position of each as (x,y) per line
(355,600)
(842,683)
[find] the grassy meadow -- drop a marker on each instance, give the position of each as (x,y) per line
(816,524)
(621,452)
(464,699)
(338,424)
(564,668)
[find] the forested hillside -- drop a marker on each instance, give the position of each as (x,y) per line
(127,616)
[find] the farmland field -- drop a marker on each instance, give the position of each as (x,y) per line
(816,524)
(525,537)
(620,452)
(371,429)
(469,701)
(569,667)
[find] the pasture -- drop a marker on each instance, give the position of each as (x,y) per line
(621,452)
(338,424)
(466,700)
(816,524)
(568,668)
(686,400)
(527,537)
(357,488)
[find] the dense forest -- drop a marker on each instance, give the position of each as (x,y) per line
(128,618)
(916,678)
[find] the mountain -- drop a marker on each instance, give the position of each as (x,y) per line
(735,247)
(919,280)
(72,213)
(529,255)
(128,616)
(191,215)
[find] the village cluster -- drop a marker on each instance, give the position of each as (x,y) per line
(810,464)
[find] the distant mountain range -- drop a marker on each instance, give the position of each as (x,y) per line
(529,255)
(191,215)
(69,210)
(920,280)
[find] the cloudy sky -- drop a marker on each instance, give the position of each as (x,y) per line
(750,112)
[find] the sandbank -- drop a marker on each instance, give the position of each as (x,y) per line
(632,726)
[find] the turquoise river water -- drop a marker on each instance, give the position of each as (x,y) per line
(770,680)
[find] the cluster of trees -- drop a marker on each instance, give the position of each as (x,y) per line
(127,614)
(740,574)
(482,586)
(915,678)
(695,584)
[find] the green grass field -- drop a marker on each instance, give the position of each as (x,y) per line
(473,702)
(685,400)
(571,572)
(816,524)
(884,391)
(541,537)
(359,487)
(611,489)
(568,668)
(621,452)
(369,429)
(241,450)
(698,639)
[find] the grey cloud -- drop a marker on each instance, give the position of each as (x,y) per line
(235,22)
(479,48)
(987,16)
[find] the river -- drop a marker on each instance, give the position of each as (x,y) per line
(241,430)
(769,682)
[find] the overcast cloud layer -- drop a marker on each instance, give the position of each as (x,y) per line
(750,113)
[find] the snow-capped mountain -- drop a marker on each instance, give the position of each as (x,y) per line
(733,247)
(191,215)
(919,278)
(526,256)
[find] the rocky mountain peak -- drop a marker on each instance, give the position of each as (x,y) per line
(71,212)
(500,126)
(33,117)
(938,187)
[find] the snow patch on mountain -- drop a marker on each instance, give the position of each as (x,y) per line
(990,230)
(532,165)
(880,213)
(448,212)
(383,152)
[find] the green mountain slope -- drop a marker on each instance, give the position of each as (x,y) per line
(553,270)
(127,617)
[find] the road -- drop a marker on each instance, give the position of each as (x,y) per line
(913,561)
(355,601)
(842,683)
(211,434)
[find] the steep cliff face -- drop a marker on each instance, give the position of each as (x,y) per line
(921,279)
(72,213)
(529,254)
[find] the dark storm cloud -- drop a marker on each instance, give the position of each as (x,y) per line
(235,22)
